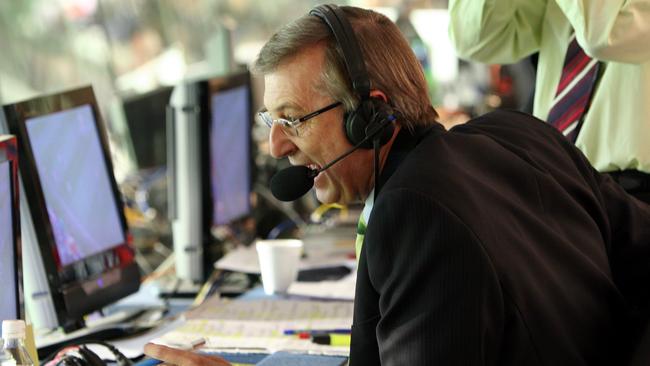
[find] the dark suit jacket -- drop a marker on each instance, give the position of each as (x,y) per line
(496,243)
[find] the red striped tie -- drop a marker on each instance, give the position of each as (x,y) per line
(574,91)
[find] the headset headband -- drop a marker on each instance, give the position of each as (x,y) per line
(338,23)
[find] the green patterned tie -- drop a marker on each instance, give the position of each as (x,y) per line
(363,220)
(361,233)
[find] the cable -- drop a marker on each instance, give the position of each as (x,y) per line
(80,355)
(120,358)
(90,357)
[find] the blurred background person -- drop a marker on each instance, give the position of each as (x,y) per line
(593,71)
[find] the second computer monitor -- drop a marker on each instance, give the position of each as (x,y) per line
(210,172)
(230,136)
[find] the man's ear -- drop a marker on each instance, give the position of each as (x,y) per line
(375,93)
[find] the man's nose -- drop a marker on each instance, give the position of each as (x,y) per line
(280,144)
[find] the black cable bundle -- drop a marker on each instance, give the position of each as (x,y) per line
(80,355)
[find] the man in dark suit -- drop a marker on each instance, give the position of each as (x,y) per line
(494,243)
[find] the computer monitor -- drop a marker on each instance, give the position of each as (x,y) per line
(74,203)
(146,118)
(210,169)
(11,300)
(230,148)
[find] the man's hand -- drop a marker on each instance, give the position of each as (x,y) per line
(179,357)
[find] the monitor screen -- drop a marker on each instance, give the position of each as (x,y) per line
(230,153)
(78,196)
(8,300)
(146,119)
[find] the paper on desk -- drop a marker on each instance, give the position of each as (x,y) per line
(268,310)
(240,259)
(342,289)
(259,324)
(244,259)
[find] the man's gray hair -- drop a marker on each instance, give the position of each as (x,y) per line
(392,66)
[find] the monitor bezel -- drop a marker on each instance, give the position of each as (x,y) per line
(64,293)
(9,153)
(211,87)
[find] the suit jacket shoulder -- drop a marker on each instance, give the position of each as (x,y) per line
(490,244)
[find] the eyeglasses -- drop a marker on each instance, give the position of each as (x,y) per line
(290,126)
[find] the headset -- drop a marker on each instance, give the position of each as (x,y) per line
(371,119)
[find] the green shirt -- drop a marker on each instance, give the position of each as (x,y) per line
(616,131)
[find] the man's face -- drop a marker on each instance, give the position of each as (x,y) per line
(292,91)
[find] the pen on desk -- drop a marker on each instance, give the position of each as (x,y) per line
(317,331)
(332,339)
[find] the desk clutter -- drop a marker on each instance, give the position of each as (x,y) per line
(263,325)
(293,328)
(309,324)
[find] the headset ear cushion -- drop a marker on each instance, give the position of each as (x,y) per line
(365,118)
(355,126)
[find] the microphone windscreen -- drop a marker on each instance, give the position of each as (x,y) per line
(292,183)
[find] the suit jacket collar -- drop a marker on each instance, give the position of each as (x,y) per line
(404,143)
